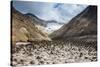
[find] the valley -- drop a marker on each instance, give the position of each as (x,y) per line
(37,42)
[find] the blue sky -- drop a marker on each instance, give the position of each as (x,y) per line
(50,11)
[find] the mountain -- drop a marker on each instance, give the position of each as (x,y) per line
(24,28)
(47,26)
(52,25)
(54,21)
(37,20)
(83,24)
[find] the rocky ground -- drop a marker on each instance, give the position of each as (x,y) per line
(54,52)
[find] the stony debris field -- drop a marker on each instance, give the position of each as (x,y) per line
(54,52)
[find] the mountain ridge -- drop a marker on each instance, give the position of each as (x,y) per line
(24,28)
(83,24)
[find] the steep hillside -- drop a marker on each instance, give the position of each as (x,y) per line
(24,28)
(83,24)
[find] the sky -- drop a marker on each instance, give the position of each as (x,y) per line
(50,11)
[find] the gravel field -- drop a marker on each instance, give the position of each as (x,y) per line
(53,52)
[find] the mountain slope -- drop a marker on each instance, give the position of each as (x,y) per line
(47,26)
(24,28)
(83,24)
(37,20)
